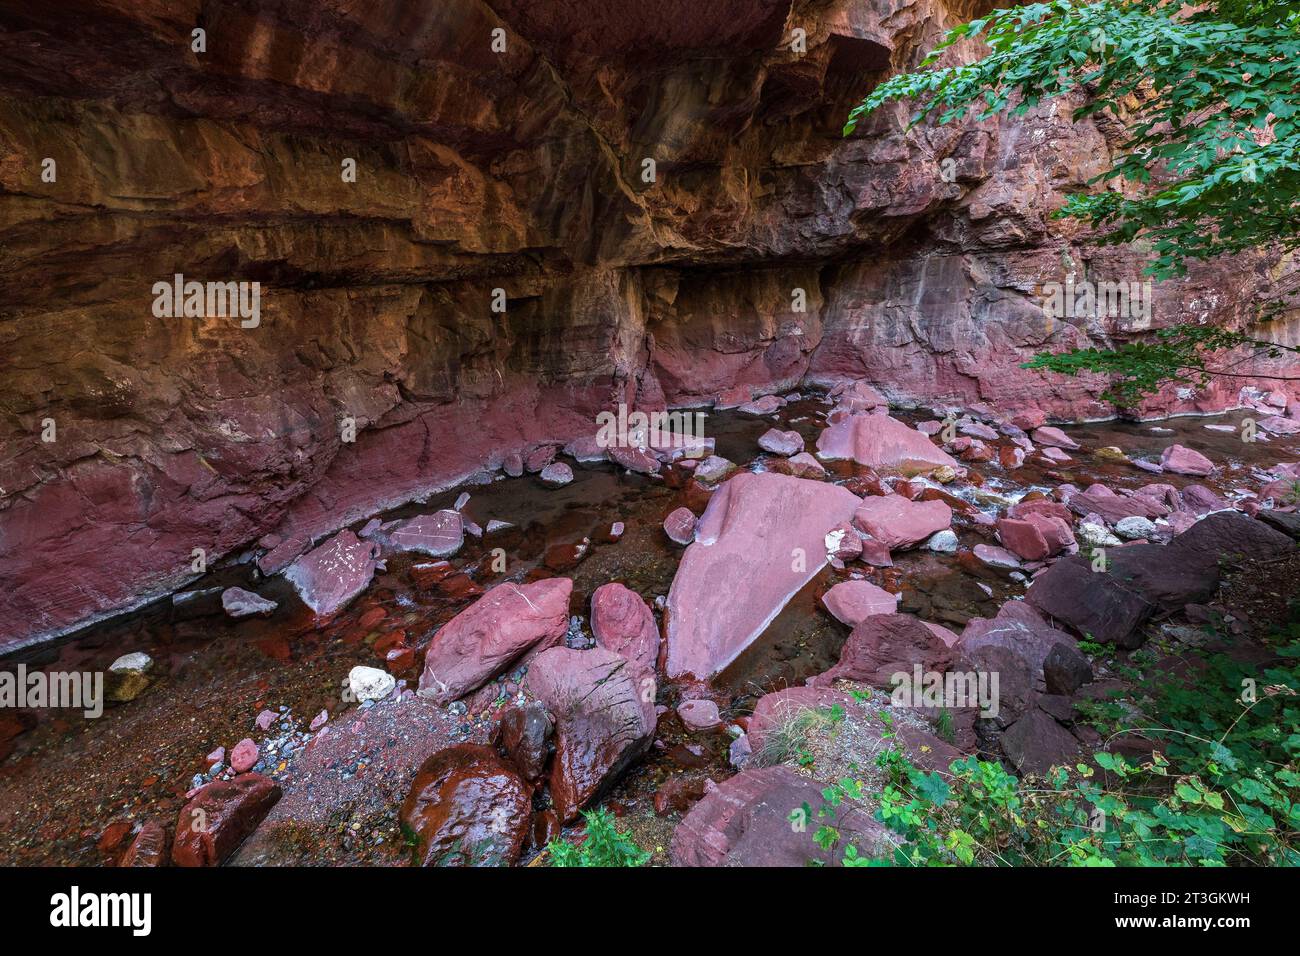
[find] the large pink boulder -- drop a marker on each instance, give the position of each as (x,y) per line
(896,522)
(328,577)
(604,710)
(1184,461)
(493,633)
(850,602)
(624,623)
(761,539)
(883,443)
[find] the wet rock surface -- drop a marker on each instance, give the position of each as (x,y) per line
(220,817)
(467,808)
(603,706)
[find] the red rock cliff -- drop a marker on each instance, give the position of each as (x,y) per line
(920,255)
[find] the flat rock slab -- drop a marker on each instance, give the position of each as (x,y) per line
(851,602)
(439,535)
(491,634)
(897,522)
(328,577)
(761,539)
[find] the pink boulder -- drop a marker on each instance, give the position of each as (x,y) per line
(623,623)
(1036,536)
(781,442)
(493,633)
(896,522)
(883,443)
(1184,461)
(604,710)
(244,757)
(850,602)
(699,714)
(762,536)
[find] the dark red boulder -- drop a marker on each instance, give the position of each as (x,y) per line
(220,817)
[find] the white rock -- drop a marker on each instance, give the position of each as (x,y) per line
(1134,527)
(370,683)
(1096,536)
(945,542)
(136,663)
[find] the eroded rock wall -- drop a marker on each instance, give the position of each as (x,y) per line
(477,169)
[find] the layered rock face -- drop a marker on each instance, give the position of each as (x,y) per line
(557,207)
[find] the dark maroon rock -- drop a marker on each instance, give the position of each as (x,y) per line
(467,808)
(603,706)
(220,817)
(148,848)
(524,738)
(1036,742)
(748,821)
(677,795)
(886,644)
(1065,670)
(1092,603)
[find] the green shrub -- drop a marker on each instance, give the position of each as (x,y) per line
(1221,789)
(605,845)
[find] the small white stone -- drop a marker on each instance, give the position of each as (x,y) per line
(945,542)
(1134,527)
(370,683)
(137,663)
(1096,536)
